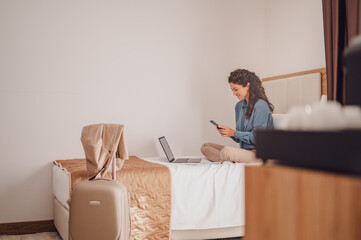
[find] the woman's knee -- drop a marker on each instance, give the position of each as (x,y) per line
(205,146)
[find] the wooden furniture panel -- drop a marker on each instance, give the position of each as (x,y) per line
(285,203)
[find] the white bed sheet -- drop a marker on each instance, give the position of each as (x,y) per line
(204,196)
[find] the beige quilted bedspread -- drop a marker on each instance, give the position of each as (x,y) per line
(149,187)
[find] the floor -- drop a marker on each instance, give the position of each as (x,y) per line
(55,236)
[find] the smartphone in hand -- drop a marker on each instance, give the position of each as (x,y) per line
(215,124)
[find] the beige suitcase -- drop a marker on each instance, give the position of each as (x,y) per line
(99,210)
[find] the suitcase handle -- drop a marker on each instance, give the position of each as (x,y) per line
(94,202)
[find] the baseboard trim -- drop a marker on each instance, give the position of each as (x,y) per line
(27,227)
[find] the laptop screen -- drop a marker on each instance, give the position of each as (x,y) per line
(166,148)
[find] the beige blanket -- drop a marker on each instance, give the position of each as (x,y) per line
(149,187)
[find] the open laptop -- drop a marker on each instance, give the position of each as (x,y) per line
(170,156)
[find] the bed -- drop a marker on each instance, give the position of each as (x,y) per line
(202,207)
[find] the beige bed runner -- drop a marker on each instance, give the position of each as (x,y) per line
(149,187)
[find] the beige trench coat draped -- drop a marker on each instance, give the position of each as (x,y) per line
(100,143)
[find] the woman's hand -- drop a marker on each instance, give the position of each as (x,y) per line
(226,131)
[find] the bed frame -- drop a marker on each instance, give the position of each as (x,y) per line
(305,87)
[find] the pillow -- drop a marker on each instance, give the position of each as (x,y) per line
(279,120)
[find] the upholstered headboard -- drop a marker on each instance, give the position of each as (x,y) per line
(296,88)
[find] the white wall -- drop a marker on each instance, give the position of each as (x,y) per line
(160,67)
(294,36)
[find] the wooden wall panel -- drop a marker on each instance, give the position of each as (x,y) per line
(27,227)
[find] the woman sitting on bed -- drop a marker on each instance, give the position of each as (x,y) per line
(252,111)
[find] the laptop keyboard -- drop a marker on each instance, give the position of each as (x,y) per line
(181,160)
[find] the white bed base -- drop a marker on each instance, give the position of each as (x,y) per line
(61,221)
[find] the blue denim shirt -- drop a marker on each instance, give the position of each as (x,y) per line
(261,117)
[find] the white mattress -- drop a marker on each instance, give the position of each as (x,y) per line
(204,196)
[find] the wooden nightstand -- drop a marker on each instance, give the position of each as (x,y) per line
(286,203)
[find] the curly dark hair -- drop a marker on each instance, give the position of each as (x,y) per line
(256,90)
